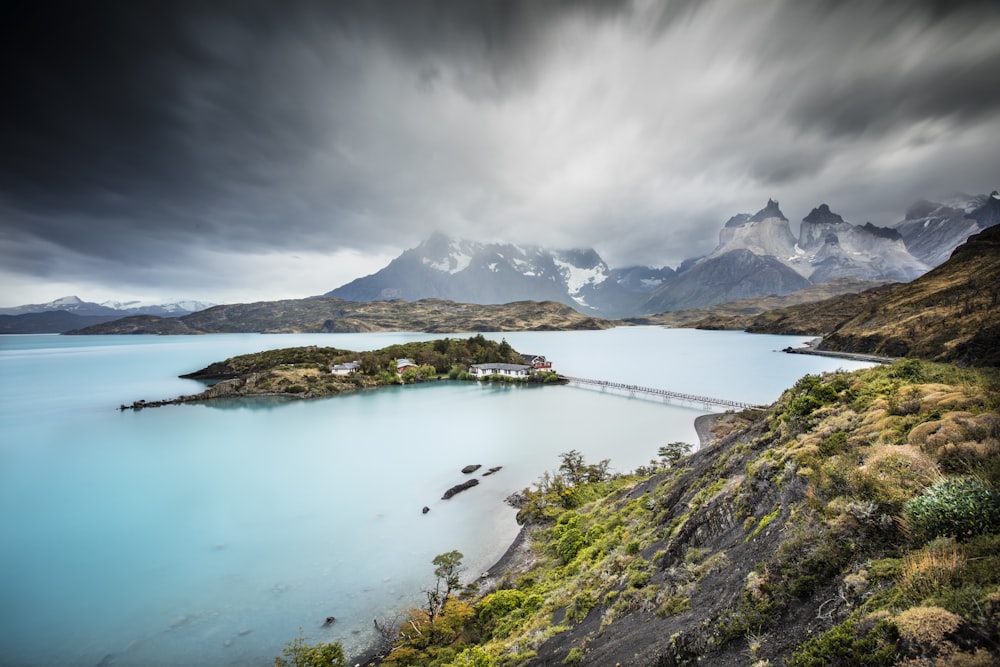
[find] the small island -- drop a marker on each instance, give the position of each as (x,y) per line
(313,371)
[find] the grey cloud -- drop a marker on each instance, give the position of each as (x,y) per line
(135,132)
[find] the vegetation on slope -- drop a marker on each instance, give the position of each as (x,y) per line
(855,522)
(331,315)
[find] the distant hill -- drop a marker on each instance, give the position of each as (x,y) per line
(54,321)
(330,315)
(739,314)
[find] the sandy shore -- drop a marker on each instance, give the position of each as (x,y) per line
(703,426)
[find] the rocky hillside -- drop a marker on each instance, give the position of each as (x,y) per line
(736,274)
(854,522)
(951,313)
(330,315)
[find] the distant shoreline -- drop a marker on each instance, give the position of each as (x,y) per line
(812,347)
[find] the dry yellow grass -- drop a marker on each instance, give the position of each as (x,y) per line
(931,570)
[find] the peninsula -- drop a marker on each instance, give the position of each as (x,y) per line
(312,371)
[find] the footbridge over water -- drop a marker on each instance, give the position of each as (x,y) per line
(662,393)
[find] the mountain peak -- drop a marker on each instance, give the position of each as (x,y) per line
(769,211)
(823,215)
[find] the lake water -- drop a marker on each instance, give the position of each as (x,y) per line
(210,534)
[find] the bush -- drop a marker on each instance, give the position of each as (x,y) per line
(961,507)
(849,644)
(569,544)
(580,606)
(299,654)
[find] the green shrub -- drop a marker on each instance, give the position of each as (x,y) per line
(580,606)
(849,644)
(962,507)
(569,544)
(299,654)
(639,579)
(497,605)
(574,657)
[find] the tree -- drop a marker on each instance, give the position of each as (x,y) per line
(299,654)
(447,570)
(672,453)
(577,472)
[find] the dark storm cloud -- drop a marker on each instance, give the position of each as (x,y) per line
(139,136)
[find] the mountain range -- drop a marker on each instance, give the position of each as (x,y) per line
(71,312)
(757,255)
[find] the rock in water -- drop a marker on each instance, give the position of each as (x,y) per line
(458,488)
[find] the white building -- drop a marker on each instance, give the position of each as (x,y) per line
(506,370)
(346,368)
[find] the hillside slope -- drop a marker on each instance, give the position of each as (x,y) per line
(853,522)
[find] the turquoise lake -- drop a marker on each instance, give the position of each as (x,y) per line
(211,534)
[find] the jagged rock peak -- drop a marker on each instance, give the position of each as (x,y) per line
(988,214)
(882,232)
(738,220)
(769,211)
(823,215)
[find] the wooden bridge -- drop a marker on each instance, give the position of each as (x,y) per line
(662,393)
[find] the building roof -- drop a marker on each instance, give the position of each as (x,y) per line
(501,367)
(404,362)
(348,366)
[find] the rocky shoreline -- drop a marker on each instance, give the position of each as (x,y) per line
(519,556)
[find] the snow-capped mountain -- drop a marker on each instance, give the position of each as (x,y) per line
(473,272)
(828,247)
(932,230)
(77,306)
(757,255)
(170,309)
(764,233)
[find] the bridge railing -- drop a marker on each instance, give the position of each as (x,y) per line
(664,393)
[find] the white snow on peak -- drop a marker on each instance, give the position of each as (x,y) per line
(457,260)
(67,301)
(577,278)
(650,283)
(493,267)
(995,195)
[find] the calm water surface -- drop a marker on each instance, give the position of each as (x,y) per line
(210,534)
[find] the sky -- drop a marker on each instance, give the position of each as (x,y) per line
(245,150)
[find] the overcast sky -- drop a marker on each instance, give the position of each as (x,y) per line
(244,150)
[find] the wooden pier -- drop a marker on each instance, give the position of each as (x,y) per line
(663,393)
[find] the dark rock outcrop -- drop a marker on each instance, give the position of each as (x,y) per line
(458,488)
